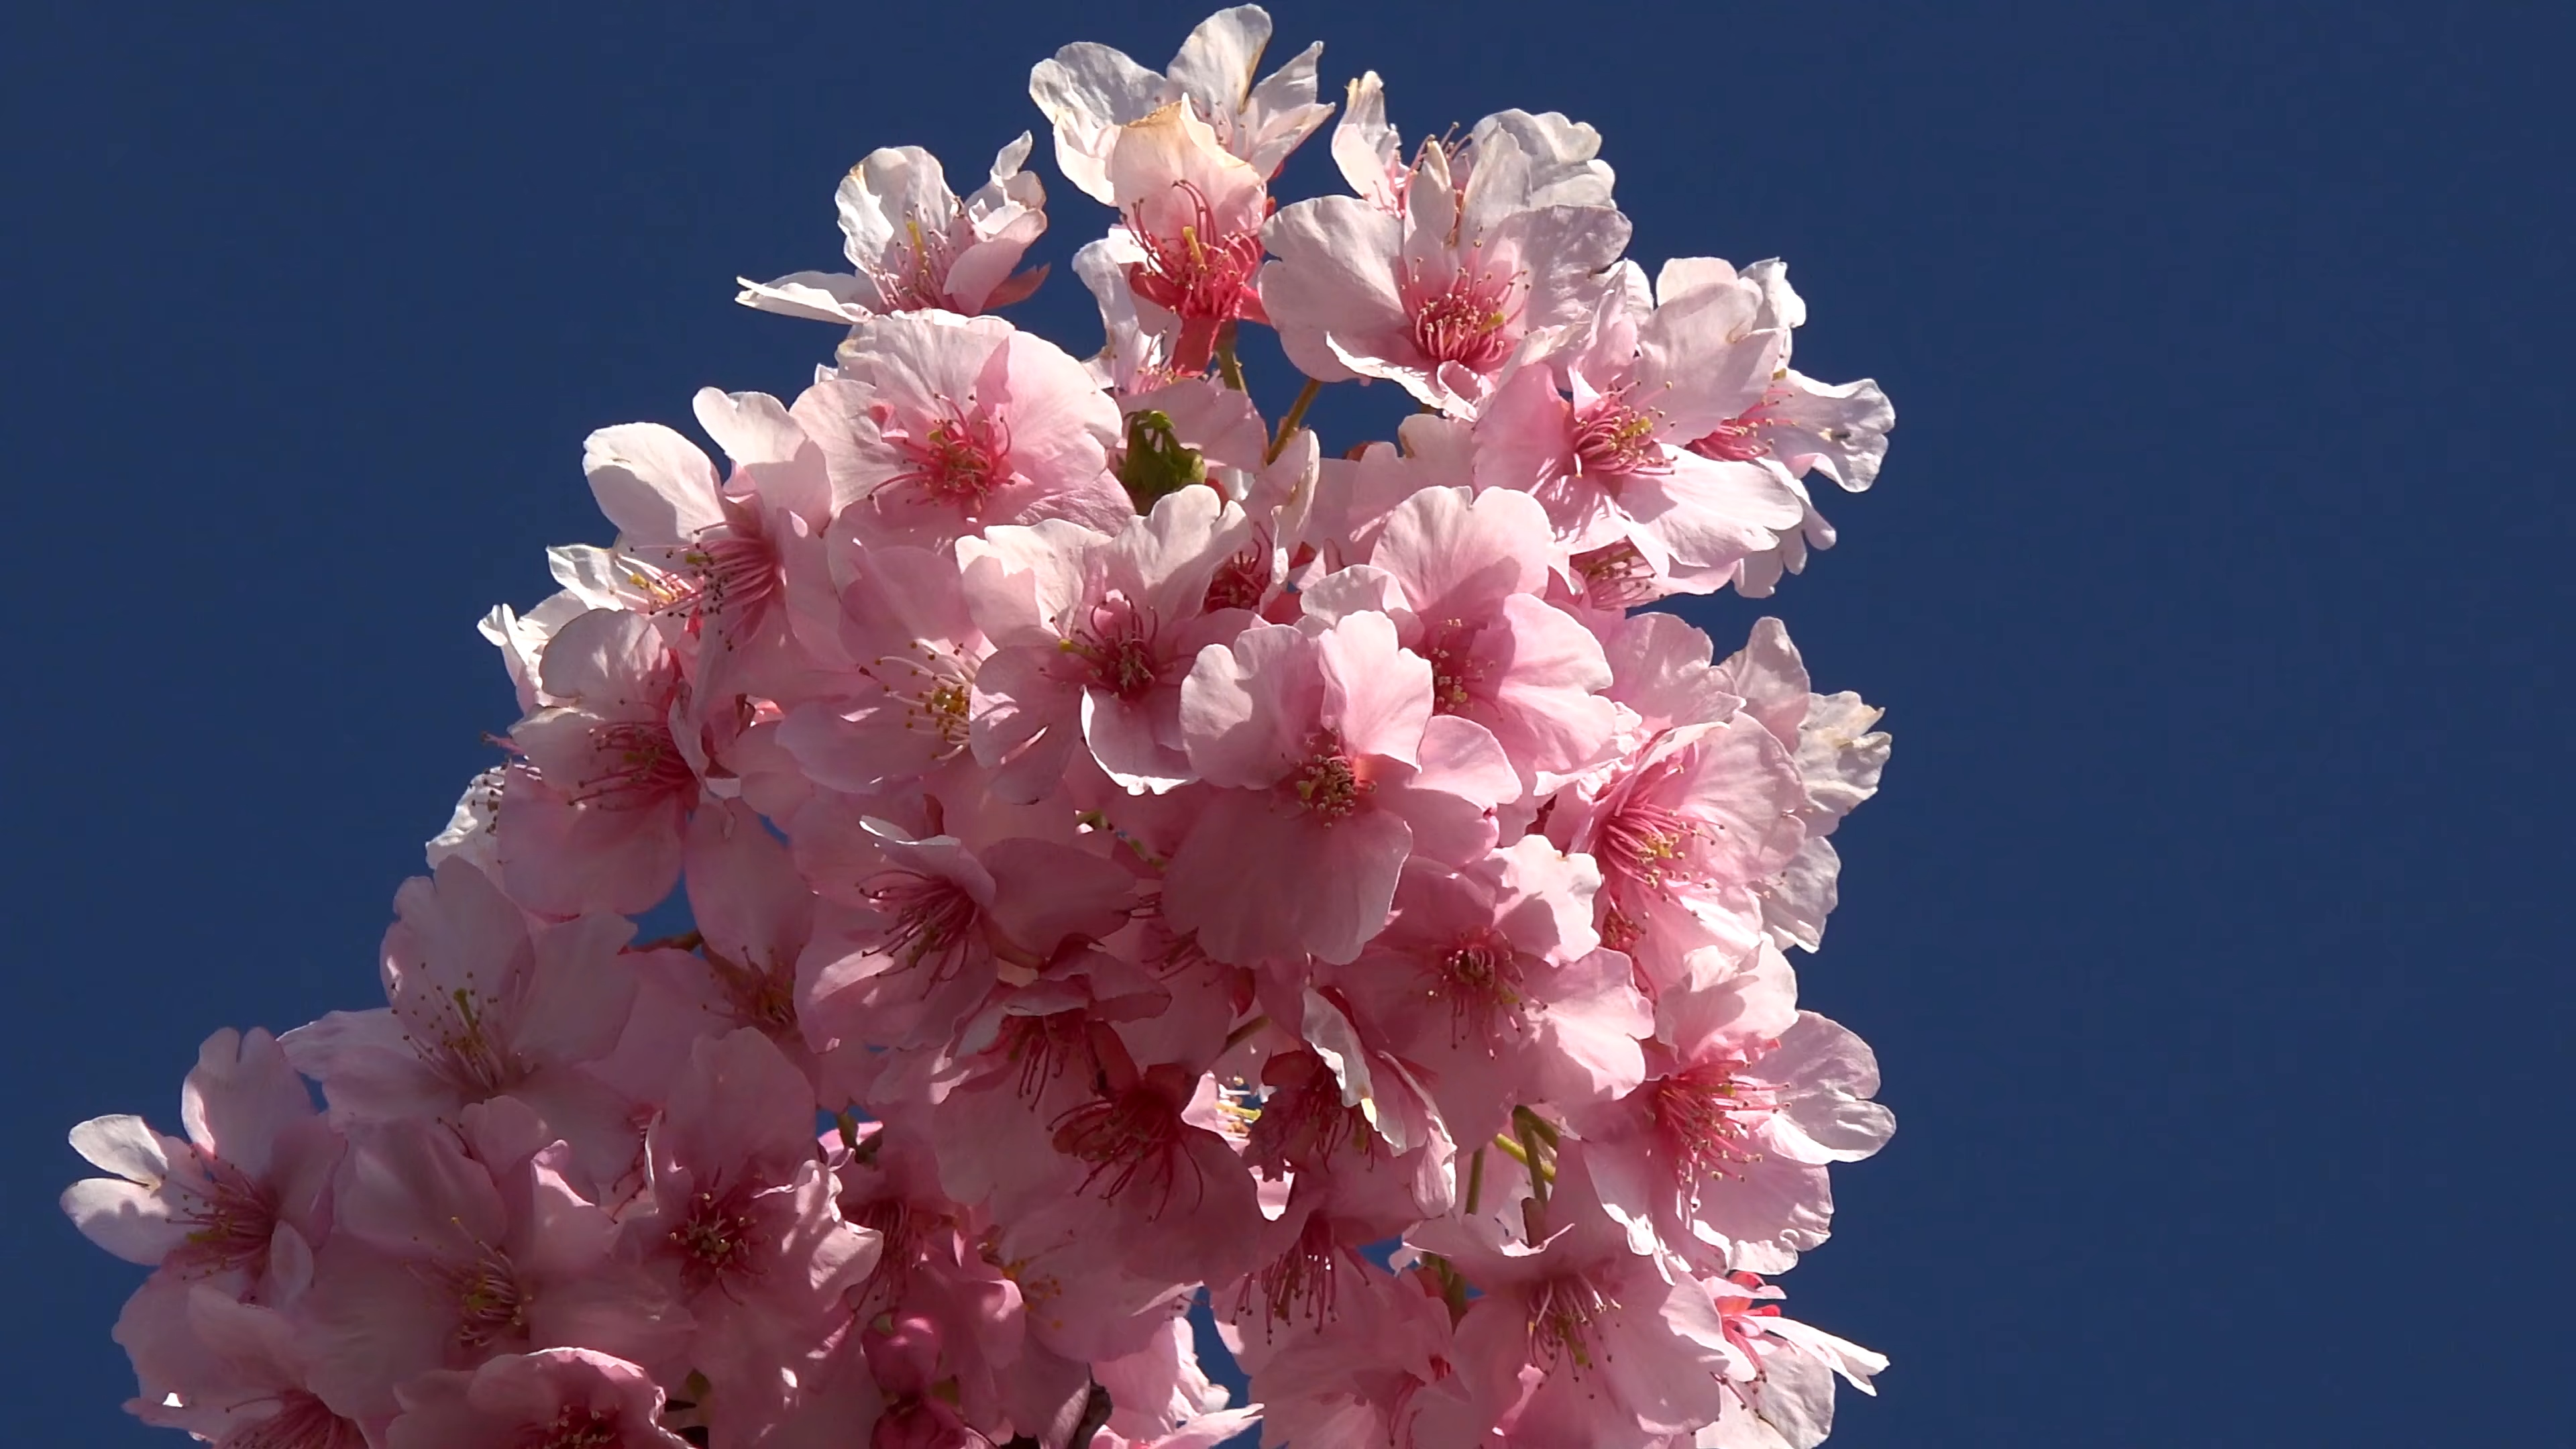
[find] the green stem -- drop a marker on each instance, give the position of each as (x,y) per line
(1226,365)
(1288,424)
(1475,1178)
(1533,1122)
(1526,1123)
(1453,1284)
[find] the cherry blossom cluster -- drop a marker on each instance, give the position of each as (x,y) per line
(1133,859)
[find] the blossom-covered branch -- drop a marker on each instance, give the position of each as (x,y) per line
(1136,856)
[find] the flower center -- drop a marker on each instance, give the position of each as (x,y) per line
(1481,977)
(957,461)
(913,275)
(763,997)
(1463,322)
(1613,437)
(1705,1117)
(490,1305)
(1300,1282)
(1449,645)
(932,919)
(452,1039)
(634,764)
(1304,1121)
(1562,1315)
(1202,273)
(901,1232)
(576,1427)
(1739,439)
(937,690)
(716,1238)
(1128,1138)
(1328,783)
(1649,847)
(736,576)
(1241,582)
(1733,441)
(1039,1047)
(1616,576)
(229,1220)
(1117,649)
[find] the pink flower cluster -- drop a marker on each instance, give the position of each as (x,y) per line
(1134,859)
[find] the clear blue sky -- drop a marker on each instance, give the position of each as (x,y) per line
(2212,927)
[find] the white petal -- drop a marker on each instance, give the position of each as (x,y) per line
(122,1144)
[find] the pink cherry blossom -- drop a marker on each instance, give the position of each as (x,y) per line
(1799,425)
(1091,91)
(1612,462)
(448,1253)
(932,924)
(603,788)
(1330,770)
(245,1193)
(1469,575)
(1784,1390)
(903,710)
(1134,853)
(939,426)
(1093,637)
(1490,982)
(1438,278)
(738,1222)
(229,1372)
(915,245)
(558,1398)
(1721,1155)
(1683,834)
(1190,241)
(485,1003)
(1574,1335)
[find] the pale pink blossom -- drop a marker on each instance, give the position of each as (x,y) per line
(1611,461)
(1329,770)
(1799,425)
(243,1196)
(1477,256)
(1721,1155)
(1577,1339)
(592,813)
(930,924)
(558,1398)
(234,1374)
(1490,981)
(1090,92)
(1092,637)
(738,1222)
(1784,1392)
(1683,832)
(1464,580)
(902,712)
(1557,160)
(1839,757)
(938,426)
(1190,232)
(486,1003)
(915,245)
(1363,1375)
(446,1254)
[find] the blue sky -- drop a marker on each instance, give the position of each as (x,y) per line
(2211,927)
